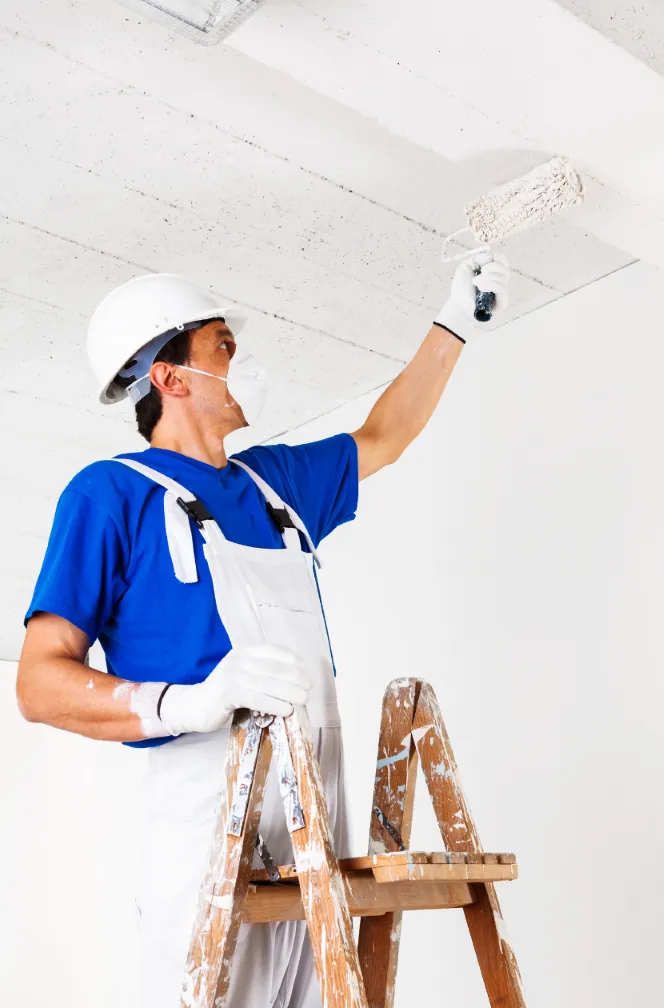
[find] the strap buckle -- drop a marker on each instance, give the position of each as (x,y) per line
(266,858)
(388,827)
(196,510)
(280,517)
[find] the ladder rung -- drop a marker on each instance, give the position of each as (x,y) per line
(366,898)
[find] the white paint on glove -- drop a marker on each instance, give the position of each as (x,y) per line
(265,678)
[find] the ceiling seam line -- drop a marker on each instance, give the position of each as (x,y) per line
(243,304)
(183,209)
(47,304)
(323,178)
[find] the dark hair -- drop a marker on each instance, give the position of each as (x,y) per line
(149,408)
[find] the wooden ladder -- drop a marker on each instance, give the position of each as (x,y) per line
(327,892)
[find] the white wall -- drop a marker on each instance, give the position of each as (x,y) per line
(512,557)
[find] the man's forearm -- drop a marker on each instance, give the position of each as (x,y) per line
(56,688)
(406,406)
(66,694)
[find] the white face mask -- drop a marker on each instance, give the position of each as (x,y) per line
(246,382)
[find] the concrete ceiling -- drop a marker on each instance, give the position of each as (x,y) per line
(637,27)
(307,170)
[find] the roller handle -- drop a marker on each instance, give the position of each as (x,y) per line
(485,302)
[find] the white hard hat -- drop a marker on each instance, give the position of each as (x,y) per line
(147,310)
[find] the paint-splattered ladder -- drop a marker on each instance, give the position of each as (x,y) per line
(327,892)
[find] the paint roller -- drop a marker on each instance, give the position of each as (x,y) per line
(546,190)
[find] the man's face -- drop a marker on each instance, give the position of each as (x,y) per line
(212,347)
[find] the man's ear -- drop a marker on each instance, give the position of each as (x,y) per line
(166,377)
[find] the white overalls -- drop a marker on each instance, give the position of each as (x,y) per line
(261,595)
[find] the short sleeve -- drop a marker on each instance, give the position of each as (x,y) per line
(319,480)
(82,575)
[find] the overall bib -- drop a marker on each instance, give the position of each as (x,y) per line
(262,595)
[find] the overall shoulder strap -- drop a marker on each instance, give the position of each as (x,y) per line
(277,504)
(157,477)
(180,505)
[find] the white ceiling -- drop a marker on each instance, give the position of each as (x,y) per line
(307,170)
(637,26)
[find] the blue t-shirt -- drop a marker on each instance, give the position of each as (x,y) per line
(108,570)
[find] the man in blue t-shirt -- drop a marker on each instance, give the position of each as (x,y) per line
(198,576)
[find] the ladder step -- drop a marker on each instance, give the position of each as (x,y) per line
(444,872)
(461,865)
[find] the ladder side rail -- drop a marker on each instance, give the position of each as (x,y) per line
(498,965)
(394,795)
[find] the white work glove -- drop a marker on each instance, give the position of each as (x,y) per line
(265,678)
(458,313)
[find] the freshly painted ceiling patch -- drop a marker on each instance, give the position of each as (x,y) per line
(206,21)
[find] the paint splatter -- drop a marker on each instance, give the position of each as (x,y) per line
(440,770)
(419,733)
(501,928)
(388,760)
(222,902)
(122,691)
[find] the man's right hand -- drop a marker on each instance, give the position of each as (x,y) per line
(265,678)
(483,271)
